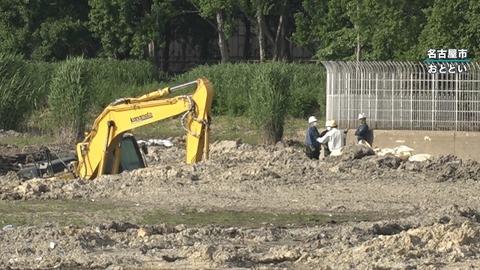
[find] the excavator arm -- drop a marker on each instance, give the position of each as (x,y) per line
(101,148)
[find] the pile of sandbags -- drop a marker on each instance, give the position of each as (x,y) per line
(360,150)
(403,152)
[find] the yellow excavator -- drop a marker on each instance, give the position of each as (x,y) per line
(110,148)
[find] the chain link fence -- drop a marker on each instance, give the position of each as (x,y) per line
(404,95)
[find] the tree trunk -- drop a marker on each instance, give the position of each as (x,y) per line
(281,50)
(357,28)
(247,46)
(222,42)
(359,47)
(184,55)
(285,52)
(152,51)
(278,38)
(261,35)
(166,53)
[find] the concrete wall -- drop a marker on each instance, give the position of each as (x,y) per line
(465,145)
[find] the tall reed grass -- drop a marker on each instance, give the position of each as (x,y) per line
(17,94)
(73,92)
(233,83)
(69,99)
(269,95)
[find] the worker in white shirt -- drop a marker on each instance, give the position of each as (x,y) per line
(335,138)
(326,151)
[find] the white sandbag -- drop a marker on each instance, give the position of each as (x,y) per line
(420,157)
(403,152)
(405,155)
(403,148)
(336,152)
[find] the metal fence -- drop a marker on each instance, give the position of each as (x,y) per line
(404,95)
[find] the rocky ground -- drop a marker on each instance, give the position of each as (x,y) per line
(426,213)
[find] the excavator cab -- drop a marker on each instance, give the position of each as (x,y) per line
(129,154)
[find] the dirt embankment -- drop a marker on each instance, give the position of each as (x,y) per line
(426,213)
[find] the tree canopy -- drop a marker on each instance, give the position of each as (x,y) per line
(51,30)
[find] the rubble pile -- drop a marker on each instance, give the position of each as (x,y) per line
(426,213)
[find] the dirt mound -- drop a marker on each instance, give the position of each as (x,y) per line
(447,168)
(356,151)
(212,247)
(399,214)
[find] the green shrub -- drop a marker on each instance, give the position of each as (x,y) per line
(233,83)
(17,95)
(37,121)
(268,101)
(40,74)
(322,95)
(69,99)
(307,90)
(112,79)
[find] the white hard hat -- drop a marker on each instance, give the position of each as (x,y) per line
(327,123)
(312,119)
(361,116)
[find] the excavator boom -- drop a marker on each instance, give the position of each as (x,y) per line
(101,150)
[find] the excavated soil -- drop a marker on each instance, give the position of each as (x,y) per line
(428,213)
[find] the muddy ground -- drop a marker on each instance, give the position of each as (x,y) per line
(425,214)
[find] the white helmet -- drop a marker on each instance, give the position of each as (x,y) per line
(327,124)
(312,119)
(361,116)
